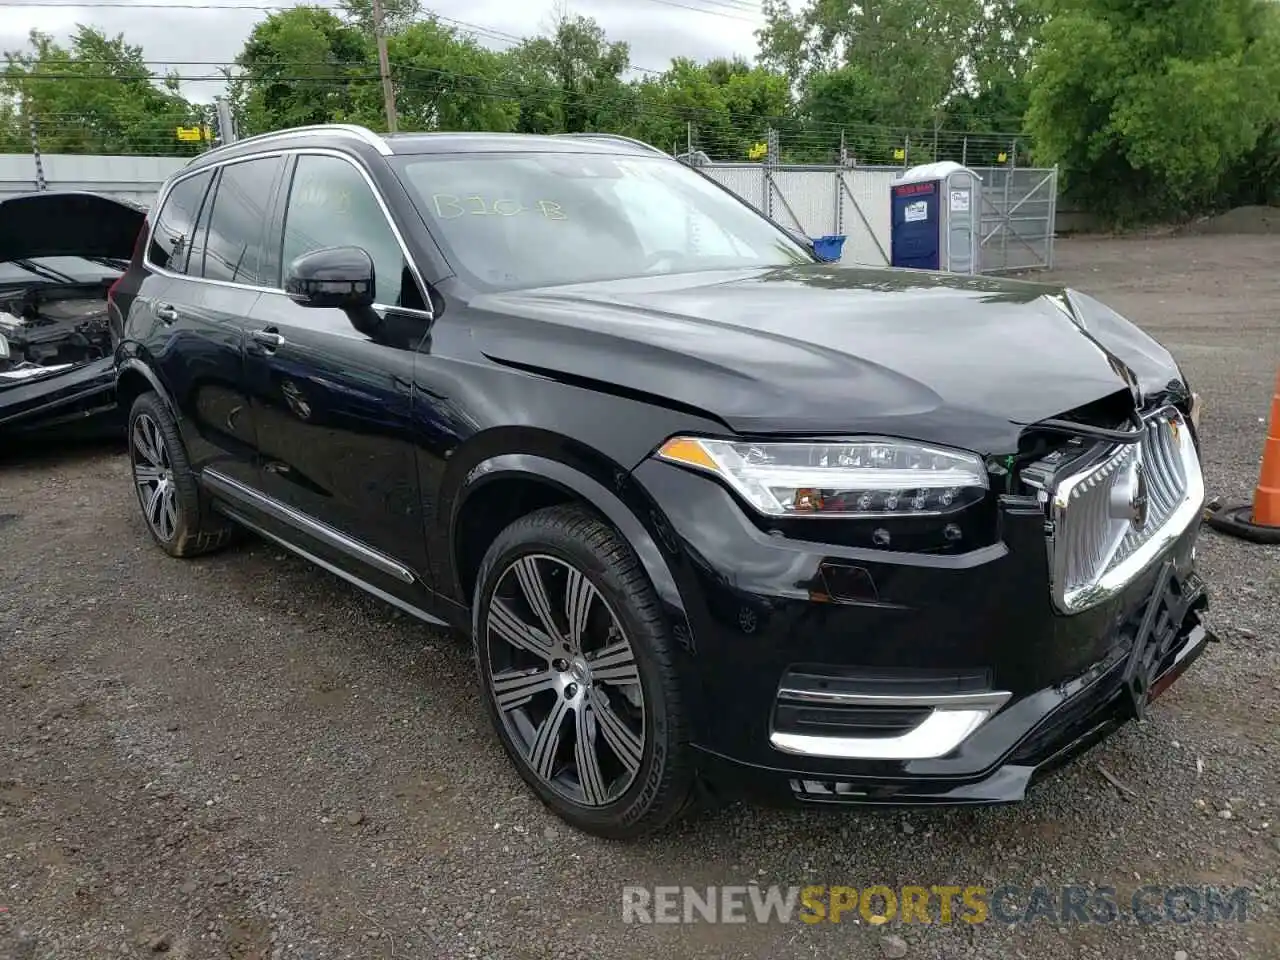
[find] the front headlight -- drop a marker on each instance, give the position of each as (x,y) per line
(859,478)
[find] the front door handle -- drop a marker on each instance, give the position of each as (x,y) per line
(269,338)
(167,313)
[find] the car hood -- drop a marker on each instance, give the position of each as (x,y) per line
(68,224)
(817,349)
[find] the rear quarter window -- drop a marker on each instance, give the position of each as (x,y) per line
(170,242)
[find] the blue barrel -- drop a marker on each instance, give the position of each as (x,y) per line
(828,248)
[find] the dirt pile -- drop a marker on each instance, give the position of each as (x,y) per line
(1261,220)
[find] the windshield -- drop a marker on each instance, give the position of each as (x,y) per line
(541,219)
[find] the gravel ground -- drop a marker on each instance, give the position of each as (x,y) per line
(242,757)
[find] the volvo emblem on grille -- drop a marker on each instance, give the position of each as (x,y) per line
(1139,501)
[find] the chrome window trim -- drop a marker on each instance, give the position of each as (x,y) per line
(352,130)
(616,138)
(287,152)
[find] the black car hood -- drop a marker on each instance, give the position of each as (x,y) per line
(68,224)
(827,350)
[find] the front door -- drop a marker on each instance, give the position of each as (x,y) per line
(332,404)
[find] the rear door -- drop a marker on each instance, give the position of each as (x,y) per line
(332,404)
(210,256)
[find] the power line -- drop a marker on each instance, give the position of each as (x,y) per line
(267,7)
(491,33)
(710,12)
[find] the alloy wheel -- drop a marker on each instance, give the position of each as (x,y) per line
(153,476)
(564,677)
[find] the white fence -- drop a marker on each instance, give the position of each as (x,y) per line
(129,178)
(1018,208)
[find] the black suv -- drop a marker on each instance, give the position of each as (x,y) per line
(712,511)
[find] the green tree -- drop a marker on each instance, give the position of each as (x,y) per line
(883,71)
(914,48)
(571,81)
(13,137)
(1149,109)
(95,95)
(729,103)
(396,14)
(855,101)
(305,65)
(446,81)
(1256,177)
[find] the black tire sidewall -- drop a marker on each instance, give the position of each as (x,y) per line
(644,805)
(187,493)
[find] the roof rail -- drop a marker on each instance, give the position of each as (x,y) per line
(355,131)
(614,136)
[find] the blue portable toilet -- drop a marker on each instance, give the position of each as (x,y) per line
(935,218)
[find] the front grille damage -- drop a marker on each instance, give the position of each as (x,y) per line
(1112,508)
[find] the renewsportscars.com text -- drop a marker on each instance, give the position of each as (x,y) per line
(879,904)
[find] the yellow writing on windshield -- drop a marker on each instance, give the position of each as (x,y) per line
(315,193)
(450,207)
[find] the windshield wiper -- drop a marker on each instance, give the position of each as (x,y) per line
(48,273)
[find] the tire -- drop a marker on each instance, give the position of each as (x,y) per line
(178,515)
(618,764)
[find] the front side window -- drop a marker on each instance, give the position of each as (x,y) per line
(171,238)
(538,219)
(234,248)
(331,204)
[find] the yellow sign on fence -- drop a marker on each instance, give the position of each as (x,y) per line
(192,133)
(900,154)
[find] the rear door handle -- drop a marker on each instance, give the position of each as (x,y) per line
(269,338)
(167,313)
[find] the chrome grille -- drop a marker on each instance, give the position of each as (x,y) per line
(1112,520)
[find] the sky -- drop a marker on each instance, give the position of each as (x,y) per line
(657,30)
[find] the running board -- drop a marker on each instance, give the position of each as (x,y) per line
(223,486)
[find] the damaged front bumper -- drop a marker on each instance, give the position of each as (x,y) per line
(1030,737)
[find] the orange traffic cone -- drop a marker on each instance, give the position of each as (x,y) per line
(1258,521)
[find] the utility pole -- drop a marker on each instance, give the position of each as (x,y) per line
(35,150)
(388,93)
(226,122)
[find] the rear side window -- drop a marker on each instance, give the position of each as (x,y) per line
(171,239)
(237,225)
(195,264)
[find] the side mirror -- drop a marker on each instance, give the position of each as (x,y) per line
(334,277)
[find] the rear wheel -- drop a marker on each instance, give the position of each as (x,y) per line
(577,667)
(178,516)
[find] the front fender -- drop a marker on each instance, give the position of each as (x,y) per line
(579,484)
